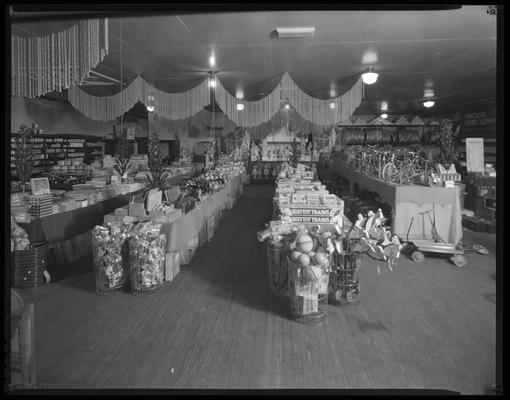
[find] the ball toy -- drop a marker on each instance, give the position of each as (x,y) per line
(320,258)
(295,255)
(304,260)
(304,243)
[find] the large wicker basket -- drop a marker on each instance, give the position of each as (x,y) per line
(28,266)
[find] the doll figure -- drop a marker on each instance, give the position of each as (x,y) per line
(266,171)
(392,251)
(369,222)
(360,221)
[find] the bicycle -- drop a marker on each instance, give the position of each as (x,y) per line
(402,172)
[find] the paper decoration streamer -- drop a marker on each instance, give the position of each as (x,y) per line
(55,62)
(168,105)
(175,106)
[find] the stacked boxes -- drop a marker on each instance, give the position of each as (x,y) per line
(40,205)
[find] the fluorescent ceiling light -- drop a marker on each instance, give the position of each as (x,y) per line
(295,32)
(428,103)
(212,61)
(384,106)
(369,77)
(240,106)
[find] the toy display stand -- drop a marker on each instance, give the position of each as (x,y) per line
(344,280)
(278,269)
(308,294)
(29,265)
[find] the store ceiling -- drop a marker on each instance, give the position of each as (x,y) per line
(451,51)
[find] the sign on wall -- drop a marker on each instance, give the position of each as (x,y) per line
(474,155)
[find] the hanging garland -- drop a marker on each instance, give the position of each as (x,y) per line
(175,106)
(255,112)
(168,105)
(319,111)
(57,61)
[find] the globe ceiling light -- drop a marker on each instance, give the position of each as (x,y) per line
(240,106)
(370,76)
(429,103)
(384,116)
(150,103)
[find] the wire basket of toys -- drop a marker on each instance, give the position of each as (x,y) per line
(108,251)
(146,258)
(344,278)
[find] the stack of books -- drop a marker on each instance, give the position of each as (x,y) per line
(40,205)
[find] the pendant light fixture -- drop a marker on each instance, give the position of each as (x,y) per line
(428,95)
(369,77)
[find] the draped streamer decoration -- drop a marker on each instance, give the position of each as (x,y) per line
(59,60)
(319,111)
(175,106)
(255,113)
(289,119)
(171,106)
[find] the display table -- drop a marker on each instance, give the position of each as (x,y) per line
(194,223)
(69,224)
(408,201)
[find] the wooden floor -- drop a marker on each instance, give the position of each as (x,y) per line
(424,326)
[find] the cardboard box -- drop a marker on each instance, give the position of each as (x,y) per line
(304,305)
(136,209)
(186,255)
(121,212)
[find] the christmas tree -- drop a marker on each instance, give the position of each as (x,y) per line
(295,153)
(122,161)
(448,154)
(23,153)
(156,166)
